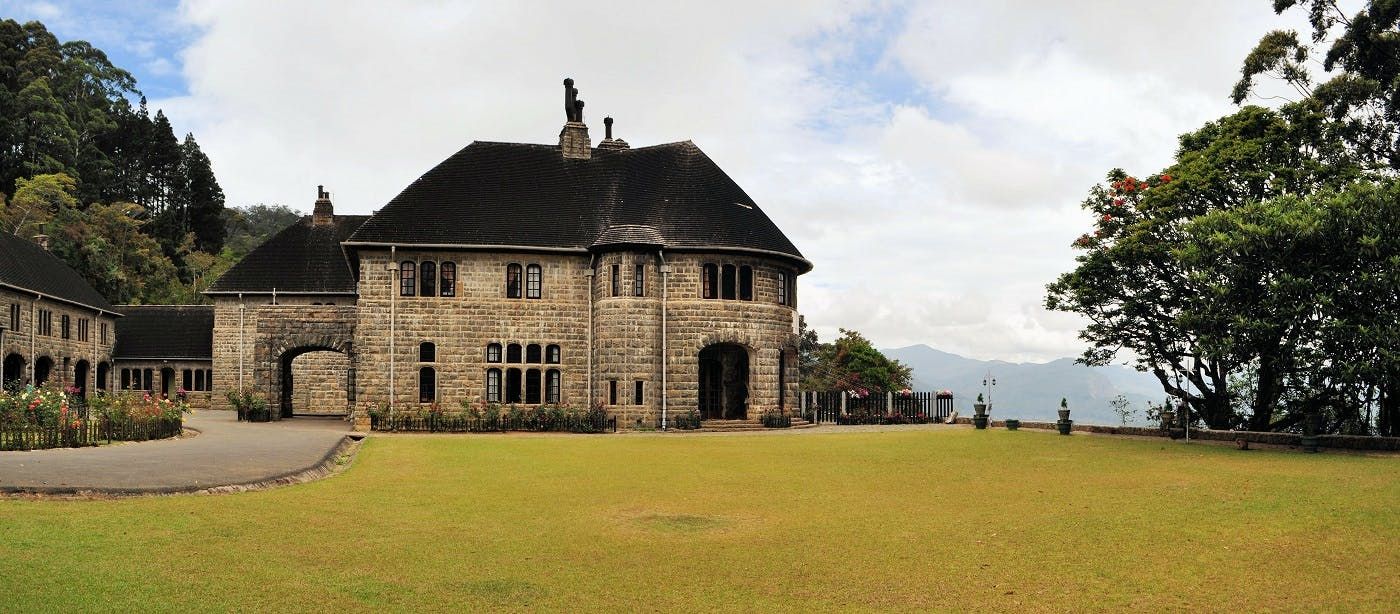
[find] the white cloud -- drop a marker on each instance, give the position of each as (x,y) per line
(934,215)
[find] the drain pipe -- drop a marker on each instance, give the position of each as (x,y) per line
(393,320)
(592,270)
(241,308)
(33,334)
(665,275)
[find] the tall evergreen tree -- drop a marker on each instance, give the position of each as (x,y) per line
(203,197)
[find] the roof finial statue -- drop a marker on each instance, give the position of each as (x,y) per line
(573,107)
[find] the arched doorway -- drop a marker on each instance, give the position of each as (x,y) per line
(42,368)
(167,382)
(724,382)
(80,377)
(314,380)
(104,371)
(14,371)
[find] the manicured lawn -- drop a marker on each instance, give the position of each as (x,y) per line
(911,520)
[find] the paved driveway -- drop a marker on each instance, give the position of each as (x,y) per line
(226,452)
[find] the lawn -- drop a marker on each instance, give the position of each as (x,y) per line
(946,519)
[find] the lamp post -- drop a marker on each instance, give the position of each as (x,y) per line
(989,383)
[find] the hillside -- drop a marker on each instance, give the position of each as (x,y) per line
(1032,391)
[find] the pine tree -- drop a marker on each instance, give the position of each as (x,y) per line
(204,198)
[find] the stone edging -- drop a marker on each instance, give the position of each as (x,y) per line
(1336,442)
(328,465)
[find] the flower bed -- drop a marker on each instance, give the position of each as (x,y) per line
(491,417)
(50,417)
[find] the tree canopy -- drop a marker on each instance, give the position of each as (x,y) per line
(850,362)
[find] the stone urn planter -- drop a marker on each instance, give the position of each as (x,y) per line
(1168,419)
(1064,424)
(1012,424)
(979,416)
(1309,438)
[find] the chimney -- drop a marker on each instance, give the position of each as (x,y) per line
(609,142)
(573,139)
(323,214)
(42,240)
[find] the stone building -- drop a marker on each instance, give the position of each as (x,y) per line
(55,326)
(642,278)
(166,350)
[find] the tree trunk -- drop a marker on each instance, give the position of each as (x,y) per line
(1265,395)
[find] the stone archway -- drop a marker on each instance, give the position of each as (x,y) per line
(285,332)
(43,368)
(724,382)
(314,380)
(81,371)
(15,371)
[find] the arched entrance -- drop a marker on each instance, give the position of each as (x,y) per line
(14,371)
(104,371)
(42,368)
(724,382)
(314,380)
(167,382)
(80,377)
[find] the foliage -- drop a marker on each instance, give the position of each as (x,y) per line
(1121,406)
(852,363)
(129,405)
(246,401)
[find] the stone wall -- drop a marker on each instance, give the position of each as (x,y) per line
(318,383)
(65,353)
(230,339)
(159,370)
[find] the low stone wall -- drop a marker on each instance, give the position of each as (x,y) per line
(1340,442)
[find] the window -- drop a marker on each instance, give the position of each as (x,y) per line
(612,392)
(726,286)
(616,280)
(639,281)
(448,274)
(187,379)
(551,355)
(532,353)
(83,326)
(512,281)
(429,276)
(126,379)
(493,352)
(533,276)
(408,274)
(493,385)
(103,327)
(782,288)
(63,327)
(532,386)
(146,380)
(637,392)
(513,352)
(14,316)
(427,385)
(746,283)
(512,385)
(782,379)
(427,352)
(552,386)
(709,281)
(45,323)
(209,380)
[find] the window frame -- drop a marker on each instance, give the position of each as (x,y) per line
(617,280)
(728,282)
(493,385)
(428,393)
(709,281)
(534,386)
(515,350)
(427,273)
(447,278)
(514,379)
(427,352)
(497,353)
(637,389)
(745,283)
(514,281)
(553,354)
(639,277)
(534,281)
(782,288)
(553,386)
(408,278)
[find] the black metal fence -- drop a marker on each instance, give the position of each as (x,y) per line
(843,407)
(88,433)
(463,423)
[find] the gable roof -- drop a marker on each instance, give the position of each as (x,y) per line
(26,266)
(302,258)
(516,195)
(165,332)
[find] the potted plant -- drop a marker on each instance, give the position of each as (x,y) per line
(1012,424)
(1309,438)
(979,417)
(1064,424)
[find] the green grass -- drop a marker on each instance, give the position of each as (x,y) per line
(948,519)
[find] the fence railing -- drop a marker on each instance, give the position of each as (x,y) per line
(843,407)
(88,433)
(452,423)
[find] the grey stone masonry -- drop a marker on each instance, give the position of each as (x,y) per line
(574,142)
(28,345)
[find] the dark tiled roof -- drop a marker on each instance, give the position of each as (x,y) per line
(301,258)
(513,194)
(165,331)
(629,234)
(23,264)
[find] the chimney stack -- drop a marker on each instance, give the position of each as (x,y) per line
(323,214)
(573,139)
(609,142)
(42,240)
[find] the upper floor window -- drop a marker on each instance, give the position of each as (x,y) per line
(493,352)
(448,273)
(638,281)
(532,353)
(726,286)
(427,352)
(63,327)
(746,283)
(45,322)
(103,328)
(533,280)
(616,280)
(408,277)
(709,281)
(14,317)
(782,288)
(512,281)
(551,355)
(83,325)
(429,275)
(513,352)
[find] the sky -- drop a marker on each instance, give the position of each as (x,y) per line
(929,158)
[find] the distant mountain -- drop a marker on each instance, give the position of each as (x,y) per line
(1032,391)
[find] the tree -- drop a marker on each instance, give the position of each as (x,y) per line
(852,363)
(202,197)
(1123,407)
(36,202)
